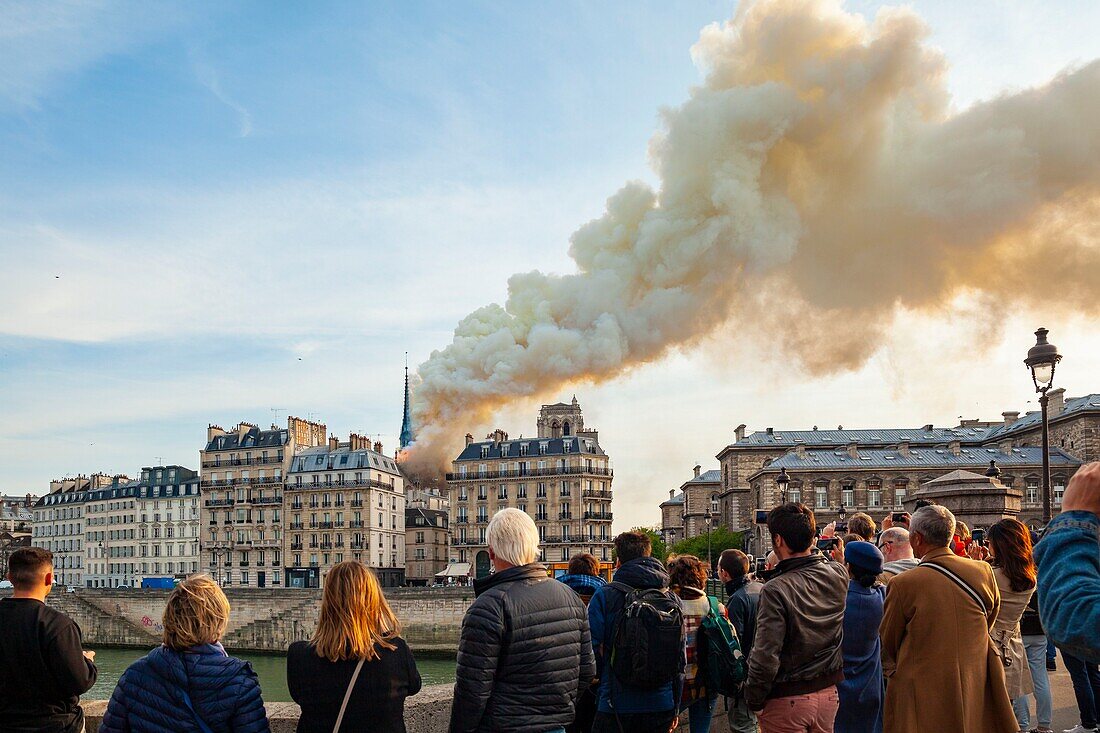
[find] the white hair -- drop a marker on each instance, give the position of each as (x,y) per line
(935,523)
(897,535)
(513,537)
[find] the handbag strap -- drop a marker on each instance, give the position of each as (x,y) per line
(347,695)
(187,699)
(959,582)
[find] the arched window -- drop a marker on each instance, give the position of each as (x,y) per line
(566,428)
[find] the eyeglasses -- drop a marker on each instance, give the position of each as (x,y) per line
(885,542)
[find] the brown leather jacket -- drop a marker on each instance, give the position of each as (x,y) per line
(799,627)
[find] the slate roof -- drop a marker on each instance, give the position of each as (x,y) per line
(935,458)
(554,447)
(678,499)
(254,438)
(1031,420)
(706,477)
(321,458)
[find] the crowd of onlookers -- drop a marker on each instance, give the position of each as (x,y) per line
(920,625)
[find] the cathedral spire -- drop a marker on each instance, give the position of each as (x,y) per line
(406,420)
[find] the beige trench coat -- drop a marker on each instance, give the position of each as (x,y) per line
(941,671)
(1006,635)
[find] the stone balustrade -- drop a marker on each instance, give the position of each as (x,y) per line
(429,711)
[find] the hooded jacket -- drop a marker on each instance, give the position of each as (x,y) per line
(524,654)
(603,613)
(150,695)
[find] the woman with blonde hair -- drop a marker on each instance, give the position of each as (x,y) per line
(356,671)
(189,683)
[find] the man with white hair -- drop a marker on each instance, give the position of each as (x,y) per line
(941,669)
(525,651)
(896,551)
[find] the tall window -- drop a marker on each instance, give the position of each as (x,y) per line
(874,493)
(821,496)
(1031,492)
(848,495)
(900,488)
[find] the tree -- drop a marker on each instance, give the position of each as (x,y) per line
(721,539)
(660,550)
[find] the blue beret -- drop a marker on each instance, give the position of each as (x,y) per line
(864,556)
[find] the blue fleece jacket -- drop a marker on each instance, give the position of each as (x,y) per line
(150,696)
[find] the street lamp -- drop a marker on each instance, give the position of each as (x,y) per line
(1041,360)
(782,481)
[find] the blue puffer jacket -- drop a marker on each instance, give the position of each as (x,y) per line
(150,695)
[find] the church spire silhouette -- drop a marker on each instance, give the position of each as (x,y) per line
(406,420)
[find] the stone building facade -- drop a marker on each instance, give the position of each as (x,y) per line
(427,536)
(685,514)
(243,472)
(147,528)
(869,470)
(345,501)
(58,524)
(562,478)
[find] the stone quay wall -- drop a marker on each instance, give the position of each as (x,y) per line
(262,620)
(429,711)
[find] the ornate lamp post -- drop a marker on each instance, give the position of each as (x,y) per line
(710,563)
(782,481)
(1041,360)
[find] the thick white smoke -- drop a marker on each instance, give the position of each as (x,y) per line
(817,179)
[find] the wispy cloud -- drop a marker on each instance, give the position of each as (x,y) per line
(42,43)
(209,78)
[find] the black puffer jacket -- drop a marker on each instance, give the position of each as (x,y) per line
(524,654)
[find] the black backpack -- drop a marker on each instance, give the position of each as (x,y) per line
(648,640)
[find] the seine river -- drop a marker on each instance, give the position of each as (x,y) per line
(270,667)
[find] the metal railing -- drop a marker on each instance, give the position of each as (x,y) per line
(532,472)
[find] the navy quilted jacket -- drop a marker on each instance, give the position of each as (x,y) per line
(149,697)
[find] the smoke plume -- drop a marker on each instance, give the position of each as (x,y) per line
(816,181)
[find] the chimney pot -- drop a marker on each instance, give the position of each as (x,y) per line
(739,432)
(697,469)
(927,428)
(672,493)
(771,431)
(378,446)
(469,439)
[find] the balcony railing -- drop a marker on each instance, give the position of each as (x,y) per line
(295,545)
(325,525)
(219,502)
(297,526)
(599,516)
(356,503)
(359,546)
(268,500)
(557,471)
(345,484)
(243,481)
(596,494)
(356,524)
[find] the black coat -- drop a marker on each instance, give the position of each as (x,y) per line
(524,654)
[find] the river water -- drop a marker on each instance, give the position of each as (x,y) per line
(271,669)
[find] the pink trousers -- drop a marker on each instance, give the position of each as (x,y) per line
(813,713)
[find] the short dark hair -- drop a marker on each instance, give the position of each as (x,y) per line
(922,503)
(862,524)
(734,562)
(795,523)
(28,565)
(632,545)
(584,564)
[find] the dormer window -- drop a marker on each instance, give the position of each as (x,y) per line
(542,448)
(503,449)
(484,451)
(565,446)
(523,449)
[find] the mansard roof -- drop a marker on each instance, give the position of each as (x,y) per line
(554,447)
(931,458)
(321,458)
(713,476)
(252,438)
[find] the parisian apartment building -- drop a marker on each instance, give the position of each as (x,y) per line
(427,535)
(344,501)
(844,471)
(243,473)
(561,477)
(59,524)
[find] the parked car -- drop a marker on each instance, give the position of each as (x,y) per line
(4,584)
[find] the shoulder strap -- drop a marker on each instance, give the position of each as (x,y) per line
(959,582)
(713,606)
(622,587)
(187,698)
(347,695)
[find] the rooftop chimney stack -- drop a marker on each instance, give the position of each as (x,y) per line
(469,439)
(956,447)
(698,468)
(671,494)
(1010,417)
(853,449)
(1056,402)
(739,432)
(903,448)
(378,446)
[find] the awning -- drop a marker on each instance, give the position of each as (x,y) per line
(455,570)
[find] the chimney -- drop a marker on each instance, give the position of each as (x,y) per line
(955,447)
(469,439)
(1010,417)
(213,431)
(853,449)
(1006,447)
(1056,402)
(927,428)
(771,431)
(903,448)
(333,442)
(378,446)
(671,494)
(800,451)
(739,433)
(697,469)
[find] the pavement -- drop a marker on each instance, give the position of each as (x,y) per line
(1065,705)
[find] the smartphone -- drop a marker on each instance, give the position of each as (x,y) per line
(842,527)
(826,544)
(761,516)
(899,517)
(978,536)
(761,565)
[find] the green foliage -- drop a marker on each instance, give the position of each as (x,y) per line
(660,550)
(721,538)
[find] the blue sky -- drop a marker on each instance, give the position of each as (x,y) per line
(211,210)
